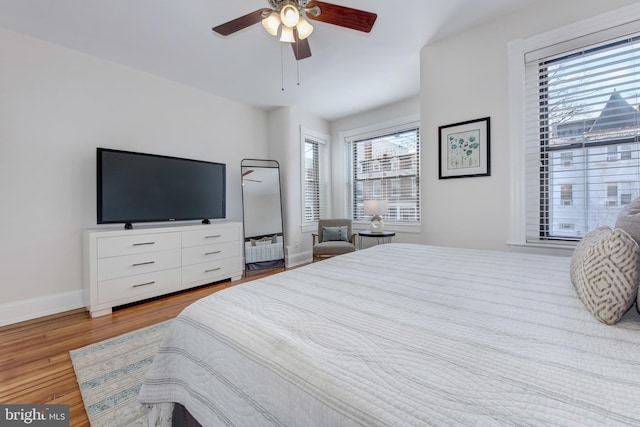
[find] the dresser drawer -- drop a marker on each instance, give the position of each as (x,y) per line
(207,237)
(211,271)
(121,266)
(207,253)
(127,245)
(133,288)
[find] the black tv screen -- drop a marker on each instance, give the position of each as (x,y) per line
(138,187)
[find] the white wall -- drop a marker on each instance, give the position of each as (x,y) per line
(56,107)
(286,147)
(463,78)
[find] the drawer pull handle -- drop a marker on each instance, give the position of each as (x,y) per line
(142,263)
(212,270)
(212,253)
(144,284)
(144,243)
(214,236)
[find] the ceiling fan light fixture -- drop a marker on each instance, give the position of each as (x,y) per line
(287,35)
(304,28)
(295,15)
(289,15)
(271,23)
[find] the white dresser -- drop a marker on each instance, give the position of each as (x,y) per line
(124,266)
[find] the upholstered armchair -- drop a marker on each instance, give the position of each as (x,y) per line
(334,237)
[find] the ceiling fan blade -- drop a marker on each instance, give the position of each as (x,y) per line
(240,23)
(342,16)
(301,48)
(247,172)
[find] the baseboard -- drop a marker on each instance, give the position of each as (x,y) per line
(299,258)
(33,308)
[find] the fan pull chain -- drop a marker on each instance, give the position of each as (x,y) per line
(282,66)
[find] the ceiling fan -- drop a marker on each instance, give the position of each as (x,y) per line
(295,28)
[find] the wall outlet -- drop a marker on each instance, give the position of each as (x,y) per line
(297,243)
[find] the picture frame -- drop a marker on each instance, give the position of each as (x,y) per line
(464,149)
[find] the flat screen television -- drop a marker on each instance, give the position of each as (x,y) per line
(138,187)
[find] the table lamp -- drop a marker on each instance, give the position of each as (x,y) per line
(376,208)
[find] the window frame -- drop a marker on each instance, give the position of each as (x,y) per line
(373,131)
(592,30)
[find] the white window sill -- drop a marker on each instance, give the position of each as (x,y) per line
(309,228)
(558,248)
(389,226)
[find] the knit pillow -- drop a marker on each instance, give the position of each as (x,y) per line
(605,271)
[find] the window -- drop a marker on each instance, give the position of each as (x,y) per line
(567,158)
(612,195)
(311,181)
(620,194)
(313,178)
(581,110)
(386,165)
(566,194)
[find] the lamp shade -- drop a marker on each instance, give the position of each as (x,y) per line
(376,207)
(287,35)
(304,28)
(271,23)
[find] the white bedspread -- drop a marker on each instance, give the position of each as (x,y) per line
(402,334)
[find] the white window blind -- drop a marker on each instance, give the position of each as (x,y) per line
(311,181)
(387,167)
(582,136)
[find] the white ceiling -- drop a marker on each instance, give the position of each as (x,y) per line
(349,72)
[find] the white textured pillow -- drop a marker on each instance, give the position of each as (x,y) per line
(605,270)
(629,219)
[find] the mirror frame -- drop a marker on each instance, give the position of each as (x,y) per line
(265,264)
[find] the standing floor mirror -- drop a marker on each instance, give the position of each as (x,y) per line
(262,213)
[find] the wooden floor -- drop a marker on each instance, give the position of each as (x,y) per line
(35,367)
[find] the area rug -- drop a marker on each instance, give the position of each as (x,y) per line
(110,374)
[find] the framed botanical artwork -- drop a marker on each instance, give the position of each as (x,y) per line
(464,149)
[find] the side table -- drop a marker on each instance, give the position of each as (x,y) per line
(381,237)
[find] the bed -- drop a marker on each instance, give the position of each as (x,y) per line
(401,334)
